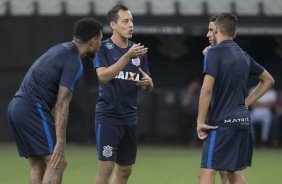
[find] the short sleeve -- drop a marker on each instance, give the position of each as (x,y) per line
(211,63)
(100,59)
(255,68)
(71,72)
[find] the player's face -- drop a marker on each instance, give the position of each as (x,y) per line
(215,34)
(210,34)
(95,44)
(124,25)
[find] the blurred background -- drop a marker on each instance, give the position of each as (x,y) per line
(175,33)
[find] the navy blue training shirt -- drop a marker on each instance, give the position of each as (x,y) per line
(231,67)
(59,66)
(117,102)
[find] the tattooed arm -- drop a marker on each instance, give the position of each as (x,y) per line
(61,114)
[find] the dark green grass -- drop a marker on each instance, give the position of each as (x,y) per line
(155,165)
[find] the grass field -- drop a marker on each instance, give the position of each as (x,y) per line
(155,165)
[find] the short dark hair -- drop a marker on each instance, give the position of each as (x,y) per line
(227,23)
(86,28)
(213,18)
(113,12)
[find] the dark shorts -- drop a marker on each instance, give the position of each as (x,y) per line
(227,149)
(32,127)
(117,143)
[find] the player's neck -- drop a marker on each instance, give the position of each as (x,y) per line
(80,46)
(223,38)
(121,42)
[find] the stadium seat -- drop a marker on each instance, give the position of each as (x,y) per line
(22,8)
(50,7)
(3,7)
(191,7)
(136,7)
(273,7)
(219,6)
(163,7)
(81,7)
(247,8)
(102,7)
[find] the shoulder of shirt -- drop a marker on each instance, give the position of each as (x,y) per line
(60,49)
(219,47)
(69,46)
(214,49)
(106,40)
(68,51)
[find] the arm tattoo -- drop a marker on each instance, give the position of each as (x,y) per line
(61,113)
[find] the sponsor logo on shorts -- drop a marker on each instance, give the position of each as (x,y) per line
(107,152)
(242,121)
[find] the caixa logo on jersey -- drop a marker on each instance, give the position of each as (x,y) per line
(128,76)
(136,61)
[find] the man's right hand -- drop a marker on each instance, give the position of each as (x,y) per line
(202,130)
(137,50)
(58,156)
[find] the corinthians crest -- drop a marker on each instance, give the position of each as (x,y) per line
(136,61)
(107,152)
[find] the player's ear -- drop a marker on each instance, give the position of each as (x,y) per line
(113,25)
(92,41)
(215,29)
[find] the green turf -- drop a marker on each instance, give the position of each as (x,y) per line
(155,165)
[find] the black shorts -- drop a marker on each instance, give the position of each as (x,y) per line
(32,127)
(117,143)
(227,149)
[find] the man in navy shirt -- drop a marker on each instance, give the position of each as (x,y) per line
(223,174)
(39,111)
(121,67)
(227,136)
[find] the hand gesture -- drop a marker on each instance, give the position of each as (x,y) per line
(137,50)
(145,80)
